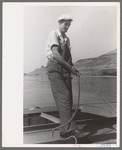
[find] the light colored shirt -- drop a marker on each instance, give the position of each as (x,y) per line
(53,40)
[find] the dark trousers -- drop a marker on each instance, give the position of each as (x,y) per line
(62,93)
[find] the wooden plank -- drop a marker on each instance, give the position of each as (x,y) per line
(44,109)
(50,117)
(28,112)
(44,127)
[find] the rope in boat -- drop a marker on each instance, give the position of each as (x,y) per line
(73,114)
(78,106)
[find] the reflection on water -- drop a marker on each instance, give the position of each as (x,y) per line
(37,91)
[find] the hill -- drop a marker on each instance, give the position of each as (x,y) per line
(103,65)
(39,71)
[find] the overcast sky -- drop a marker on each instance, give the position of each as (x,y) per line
(93,31)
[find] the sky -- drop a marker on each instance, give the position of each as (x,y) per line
(92,33)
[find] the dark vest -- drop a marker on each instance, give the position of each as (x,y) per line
(66,55)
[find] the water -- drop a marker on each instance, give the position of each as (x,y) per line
(37,91)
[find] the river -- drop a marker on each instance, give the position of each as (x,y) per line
(37,91)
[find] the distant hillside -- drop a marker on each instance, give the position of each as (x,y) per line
(103,65)
(39,71)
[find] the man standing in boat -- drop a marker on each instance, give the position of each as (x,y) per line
(59,69)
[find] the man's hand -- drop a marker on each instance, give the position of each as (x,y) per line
(62,62)
(74,71)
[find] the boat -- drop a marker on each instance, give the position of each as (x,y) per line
(100,126)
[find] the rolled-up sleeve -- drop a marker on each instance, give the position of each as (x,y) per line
(52,40)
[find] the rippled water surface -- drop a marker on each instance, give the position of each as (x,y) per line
(37,91)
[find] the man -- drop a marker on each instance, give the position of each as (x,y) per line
(59,69)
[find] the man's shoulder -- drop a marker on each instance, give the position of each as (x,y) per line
(53,32)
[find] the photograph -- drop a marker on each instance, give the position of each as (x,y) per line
(69,74)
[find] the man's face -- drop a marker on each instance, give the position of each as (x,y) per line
(64,26)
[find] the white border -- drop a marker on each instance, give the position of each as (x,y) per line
(12,94)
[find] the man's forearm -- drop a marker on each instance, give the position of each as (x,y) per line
(62,62)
